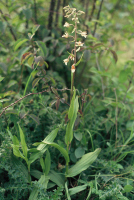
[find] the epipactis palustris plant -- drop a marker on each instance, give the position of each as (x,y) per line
(73,14)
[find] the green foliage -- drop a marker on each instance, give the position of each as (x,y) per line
(50,131)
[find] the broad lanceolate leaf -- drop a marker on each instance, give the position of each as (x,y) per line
(72,115)
(50,138)
(71,109)
(43,146)
(61,149)
(19,43)
(47,163)
(35,28)
(59,179)
(1,78)
(42,47)
(15,146)
(77,189)
(23,142)
(83,163)
(79,61)
(67,192)
(42,163)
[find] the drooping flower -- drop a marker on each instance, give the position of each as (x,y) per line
(65,35)
(76,18)
(84,34)
(66,61)
(66,24)
(80,44)
(73,68)
(71,57)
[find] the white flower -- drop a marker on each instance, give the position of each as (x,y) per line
(76,18)
(66,24)
(71,57)
(66,61)
(84,34)
(73,68)
(65,35)
(80,44)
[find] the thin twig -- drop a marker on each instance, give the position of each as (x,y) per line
(93,9)
(12,104)
(98,16)
(10,28)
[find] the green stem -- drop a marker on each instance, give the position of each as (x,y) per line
(73,74)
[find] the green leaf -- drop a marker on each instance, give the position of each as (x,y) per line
(128,188)
(43,48)
(18,43)
(30,60)
(61,149)
(47,39)
(42,164)
(97,45)
(28,13)
(83,163)
(15,146)
(67,192)
(35,118)
(79,152)
(11,83)
(23,143)
(48,139)
(1,78)
(43,146)
(124,74)
(71,108)
(59,179)
(77,189)
(79,61)
(47,163)
(35,28)
(72,115)
(35,82)
(17,152)
(78,136)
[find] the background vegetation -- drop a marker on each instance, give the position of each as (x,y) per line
(35,83)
